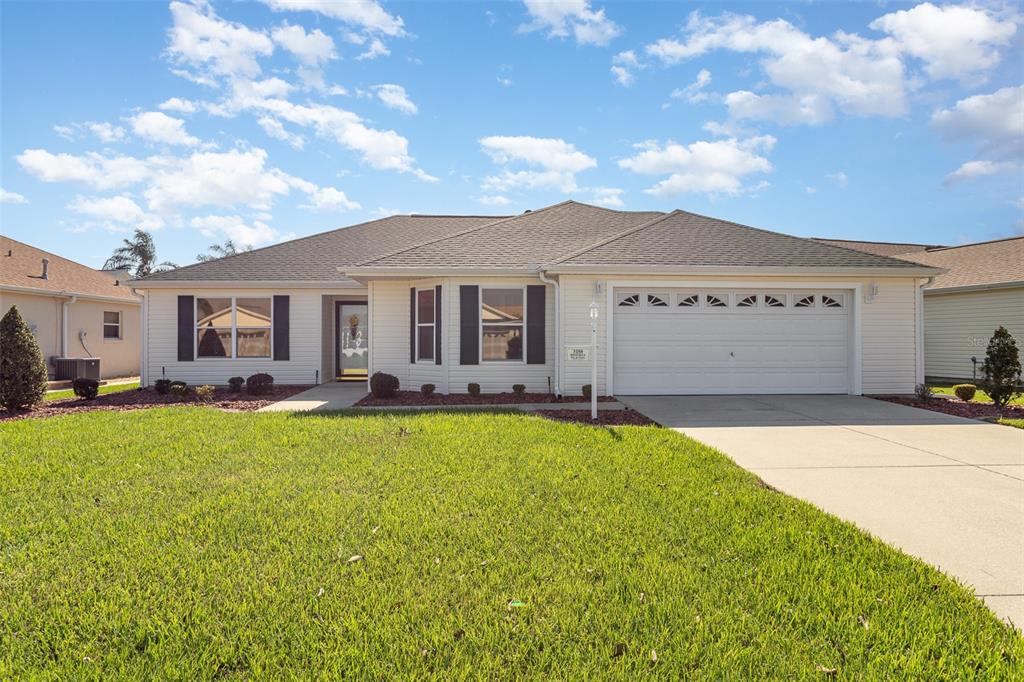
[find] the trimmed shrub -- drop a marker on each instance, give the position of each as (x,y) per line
(383,385)
(474,389)
(235,384)
(587,390)
(85,388)
(427,389)
(22,368)
(923,392)
(519,389)
(259,384)
(162,386)
(205,392)
(179,389)
(1002,368)
(965,392)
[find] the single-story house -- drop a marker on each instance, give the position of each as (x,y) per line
(982,288)
(684,304)
(74,311)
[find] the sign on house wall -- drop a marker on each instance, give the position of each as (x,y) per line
(577,353)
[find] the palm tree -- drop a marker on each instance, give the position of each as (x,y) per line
(138,256)
(216,251)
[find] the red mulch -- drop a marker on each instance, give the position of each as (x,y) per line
(959,408)
(147,397)
(604,417)
(417,398)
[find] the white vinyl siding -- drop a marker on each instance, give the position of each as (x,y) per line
(959,325)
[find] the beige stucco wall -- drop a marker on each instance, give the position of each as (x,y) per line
(959,325)
(117,357)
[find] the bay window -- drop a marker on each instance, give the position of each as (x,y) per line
(233,327)
(501,323)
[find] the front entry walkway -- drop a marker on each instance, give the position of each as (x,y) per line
(945,489)
(335,395)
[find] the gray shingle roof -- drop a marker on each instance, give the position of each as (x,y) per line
(878,248)
(987,263)
(316,258)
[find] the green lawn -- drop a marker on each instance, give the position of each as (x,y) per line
(109,388)
(979,397)
(192,544)
(1017,423)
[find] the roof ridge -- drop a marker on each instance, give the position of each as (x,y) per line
(608,240)
(458,234)
(964,246)
(869,241)
(57,255)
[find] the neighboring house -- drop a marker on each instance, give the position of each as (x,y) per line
(73,310)
(982,289)
(684,304)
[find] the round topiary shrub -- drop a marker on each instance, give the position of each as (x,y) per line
(235,384)
(519,389)
(259,384)
(383,385)
(22,368)
(85,388)
(965,392)
(205,392)
(427,389)
(179,389)
(474,389)
(923,392)
(162,386)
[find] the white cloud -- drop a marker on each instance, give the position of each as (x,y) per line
(313,48)
(376,49)
(973,170)
(624,67)
(104,132)
(839,178)
(157,126)
(995,120)
(494,200)
(394,97)
(116,212)
(183,106)
(276,130)
(811,109)
(810,190)
(11,197)
(505,82)
(562,18)
(694,92)
(366,14)
(102,172)
(611,197)
(718,167)
(953,41)
(235,228)
(330,199)
(202,40)
(558,161)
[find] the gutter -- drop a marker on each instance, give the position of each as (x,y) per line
(638,270)
(558,330)
(919,327)
(974,287)
(85,297)
(64,306)
(143,284)
(143,340)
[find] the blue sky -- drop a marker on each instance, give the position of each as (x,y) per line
(267,120)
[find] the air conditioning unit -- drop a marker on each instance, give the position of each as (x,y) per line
(76,368)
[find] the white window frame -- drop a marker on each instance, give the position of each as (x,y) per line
(432,325)
(522,324)
(120,327)
(234,328)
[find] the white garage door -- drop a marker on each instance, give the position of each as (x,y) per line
(681,341)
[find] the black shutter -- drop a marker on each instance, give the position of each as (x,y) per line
(535,341)
(281,327)
(186,328)
(412,325)
(437,325)
(469,325)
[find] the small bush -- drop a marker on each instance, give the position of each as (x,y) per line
(965,392)
(427,389)
(86,388)
(1002,368)
(383,385)
(519,389)
(587,390)
(162,386)
(474,389)
(22,368)
(205,392)
(179,389)
(259,384)
(923,392)
(235,384)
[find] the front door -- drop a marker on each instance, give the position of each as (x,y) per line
(353,341)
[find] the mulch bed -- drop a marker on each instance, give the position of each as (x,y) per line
(147,397)
(959,408)
(405,398)
(604,417)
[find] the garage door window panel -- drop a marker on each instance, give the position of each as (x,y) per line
(628,300)
(657,300)
(716,301)
(691,301)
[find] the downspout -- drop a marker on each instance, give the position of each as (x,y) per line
(143,346)
(558,331)
(919,322)
(64,325)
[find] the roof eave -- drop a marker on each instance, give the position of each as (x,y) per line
(61,293)
(590,268)
(973,287)
(240,284)
(361,273)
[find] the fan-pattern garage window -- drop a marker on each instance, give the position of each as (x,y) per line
(629,300)
(688,301)
(657,300)
(771,301)
(713,301)
(747,301)
(804,302)
(831,302)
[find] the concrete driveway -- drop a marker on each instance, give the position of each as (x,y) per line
(945,489)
